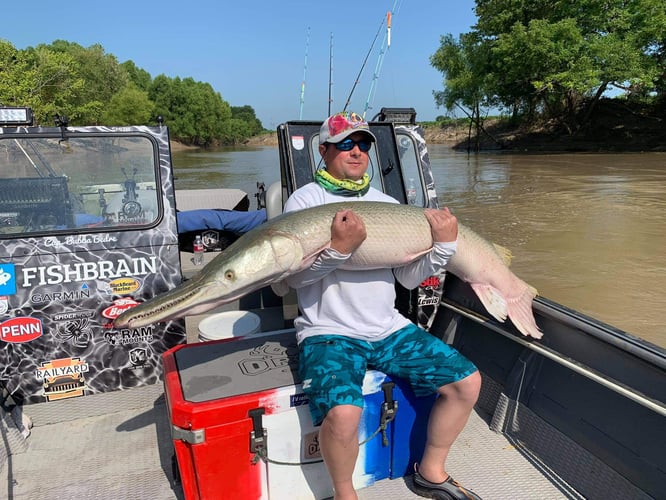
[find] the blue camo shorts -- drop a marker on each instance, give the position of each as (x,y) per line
(332,367)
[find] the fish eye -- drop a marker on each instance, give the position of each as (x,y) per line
(229,274)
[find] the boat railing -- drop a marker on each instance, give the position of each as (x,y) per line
(576,366)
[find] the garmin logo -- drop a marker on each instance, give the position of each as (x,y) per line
(67,296)
(87,271)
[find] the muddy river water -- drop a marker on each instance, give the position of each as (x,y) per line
(587,230)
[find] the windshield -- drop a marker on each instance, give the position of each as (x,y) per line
(49,185)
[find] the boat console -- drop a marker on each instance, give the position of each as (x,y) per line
(87,229)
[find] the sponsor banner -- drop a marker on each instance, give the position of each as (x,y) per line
(130,336)
(429,295)
(138,357)
(21,329)
(123,286)
(7,279)
(118,307)
(87,271)
(61,296)
(63,378)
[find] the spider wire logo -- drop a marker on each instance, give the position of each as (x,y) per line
(75,327)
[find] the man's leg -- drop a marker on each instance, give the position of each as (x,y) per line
(338,439)
(447,419)
(332,369)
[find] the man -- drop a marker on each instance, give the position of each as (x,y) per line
(349,322)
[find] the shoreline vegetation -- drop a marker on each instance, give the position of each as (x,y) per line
(615,126)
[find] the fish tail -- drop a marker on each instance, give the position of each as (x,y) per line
(492,300)
(517,309)
(521,315)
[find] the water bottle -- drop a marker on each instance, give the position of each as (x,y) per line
(411,192)
(198,248)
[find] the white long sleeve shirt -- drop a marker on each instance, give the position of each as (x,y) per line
(357,304)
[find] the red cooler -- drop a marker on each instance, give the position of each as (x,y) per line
(241,425)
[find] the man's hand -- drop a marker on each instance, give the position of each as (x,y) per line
(443,225)
(347,232)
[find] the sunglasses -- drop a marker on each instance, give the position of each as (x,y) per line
(347,145)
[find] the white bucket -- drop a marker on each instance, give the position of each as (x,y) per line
(228,324)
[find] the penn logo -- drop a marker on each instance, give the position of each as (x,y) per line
(20,330)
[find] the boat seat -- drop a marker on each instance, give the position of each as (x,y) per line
(274,200)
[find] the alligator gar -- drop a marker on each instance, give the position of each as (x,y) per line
(396,235)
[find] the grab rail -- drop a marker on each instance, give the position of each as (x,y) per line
(584,370)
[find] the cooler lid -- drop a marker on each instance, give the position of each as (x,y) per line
(218,370)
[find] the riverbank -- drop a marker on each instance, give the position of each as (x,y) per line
(613,127)
(434,135)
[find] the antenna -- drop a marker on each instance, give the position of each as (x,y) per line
(305,69)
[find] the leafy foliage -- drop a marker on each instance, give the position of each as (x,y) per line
(549,59)
(91,87)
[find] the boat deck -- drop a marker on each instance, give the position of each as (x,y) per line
(118,445)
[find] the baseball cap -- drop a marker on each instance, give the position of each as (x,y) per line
(341,125)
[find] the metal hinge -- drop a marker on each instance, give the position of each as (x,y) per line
(258,437)
(390,405)
(389,409)
(191,436)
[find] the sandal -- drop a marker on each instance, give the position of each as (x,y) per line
(448,490)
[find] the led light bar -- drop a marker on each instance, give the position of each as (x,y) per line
(15,116)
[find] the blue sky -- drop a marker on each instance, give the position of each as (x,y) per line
(253,52)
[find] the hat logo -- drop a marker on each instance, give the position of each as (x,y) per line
(344,121)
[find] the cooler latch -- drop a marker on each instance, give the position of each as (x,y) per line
(258,438)
(389,409)
(191,436)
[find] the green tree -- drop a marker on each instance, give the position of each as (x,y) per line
(235,131)
(130,106)
(246,113)
(193,111)
(462,61)
(44,80)
(545,58)
(103,77)
(139,77)
(91,87)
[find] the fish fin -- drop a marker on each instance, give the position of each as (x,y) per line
(308,259)
(492,300)
(504,253)
(521,315)
(280,288)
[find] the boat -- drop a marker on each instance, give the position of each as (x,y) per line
(89,227)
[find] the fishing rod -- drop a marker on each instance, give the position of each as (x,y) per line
(330,76)
(305,68)
(363,66)
(380,60)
